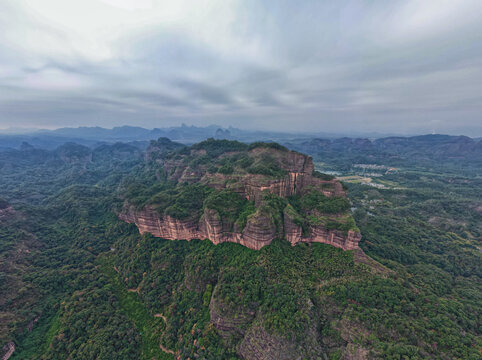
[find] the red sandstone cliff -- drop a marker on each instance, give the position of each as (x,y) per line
(260,228)
(299,178)
(318,233)
(258,232)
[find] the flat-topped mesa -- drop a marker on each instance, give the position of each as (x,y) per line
(228,192)
(295,173)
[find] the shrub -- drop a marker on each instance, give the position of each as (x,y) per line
(270,145)
(226,169)
(214,148)
(322,176)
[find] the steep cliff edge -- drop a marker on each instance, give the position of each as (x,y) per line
(227,191)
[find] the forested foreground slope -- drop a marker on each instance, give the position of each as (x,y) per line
(79,283)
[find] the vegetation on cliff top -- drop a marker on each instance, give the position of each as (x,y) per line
(236,160)
(230,157)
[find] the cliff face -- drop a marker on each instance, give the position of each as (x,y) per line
(258,232)
(298,168)
(260,228)
(149,221)
(318,233)
(230,321)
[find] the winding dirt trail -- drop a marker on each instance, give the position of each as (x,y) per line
(10,347)
(159,315)
(166,350)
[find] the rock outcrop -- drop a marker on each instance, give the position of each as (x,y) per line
(260,344)
(228,320)
(167,227)
(318,233)
(298,167)
(261,228)
(258,232)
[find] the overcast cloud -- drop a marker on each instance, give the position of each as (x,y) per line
(335,66)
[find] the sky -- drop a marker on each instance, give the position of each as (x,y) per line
(402,67)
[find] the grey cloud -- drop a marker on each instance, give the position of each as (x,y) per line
(155,99)
(204,92)
(330,66)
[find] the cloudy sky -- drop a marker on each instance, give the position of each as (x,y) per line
(336,66)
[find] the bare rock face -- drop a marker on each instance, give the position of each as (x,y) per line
(212,227)
(259,230)
(245,326)
(227,320)
(299,170)
(337,238)
(258,344)
(293,232)
(149,221)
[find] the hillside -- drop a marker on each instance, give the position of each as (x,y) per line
(77,282)
(226,191)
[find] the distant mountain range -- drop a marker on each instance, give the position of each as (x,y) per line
(434,150)
(93,136)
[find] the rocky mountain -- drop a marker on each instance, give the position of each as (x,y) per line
(227,191)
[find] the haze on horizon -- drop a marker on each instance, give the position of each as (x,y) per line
(402,67)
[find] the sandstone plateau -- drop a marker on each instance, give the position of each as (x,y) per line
(261,227)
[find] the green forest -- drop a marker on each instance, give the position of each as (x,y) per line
(76,282)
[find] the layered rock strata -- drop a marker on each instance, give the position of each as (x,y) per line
(299,177)
(260,228)
(318,233)
(258,232)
